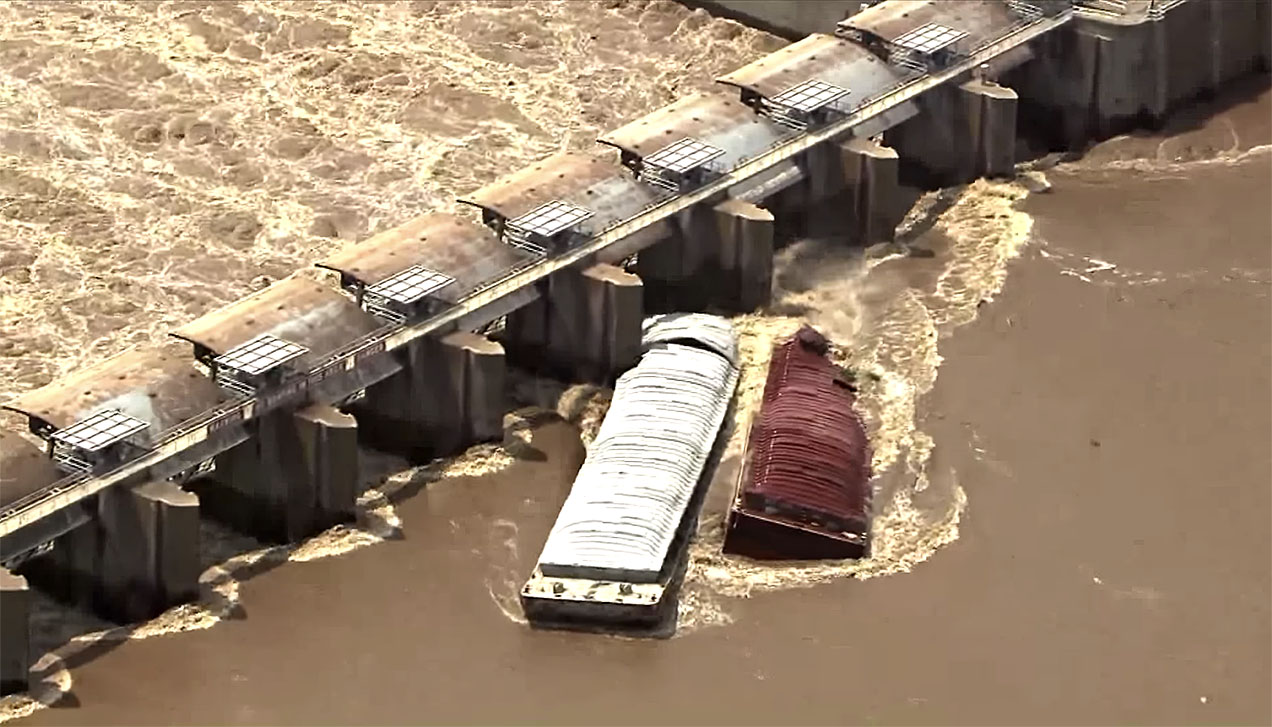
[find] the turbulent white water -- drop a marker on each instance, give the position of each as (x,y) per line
(158,160)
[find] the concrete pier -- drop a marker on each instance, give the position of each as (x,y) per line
(15,637)
(449,395)
(746,255)
(720,259)
(149,550)
(297,476)
(137,557)
(584,327)
(672,271)
(1109,75)
(964,132)
(991,126)
(871,190)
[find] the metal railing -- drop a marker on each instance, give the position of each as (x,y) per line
(1120,9)
(71,489)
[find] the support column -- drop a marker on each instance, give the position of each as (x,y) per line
(137,557)
(962,133)
(448,396)
(296,476)
(673,271)
(15,633)
(584,327)
(873,193)
(991,120)
(148,539)
(746,254)
(824,179)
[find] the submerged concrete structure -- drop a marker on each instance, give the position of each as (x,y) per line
(262,416)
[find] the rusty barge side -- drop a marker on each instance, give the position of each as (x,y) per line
(804,488)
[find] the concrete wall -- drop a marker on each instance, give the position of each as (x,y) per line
(15,632)
(585,325)
(1102,78)
(965,131)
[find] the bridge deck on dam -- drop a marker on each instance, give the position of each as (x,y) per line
(467,252)
(722,122)
(294,309)
(157,384)
(827,59)
(821,57)
(339,334)
(601,187)
(980,20)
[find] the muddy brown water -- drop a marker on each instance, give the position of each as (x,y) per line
(1071,417)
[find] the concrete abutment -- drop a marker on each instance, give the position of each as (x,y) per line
(1103,78)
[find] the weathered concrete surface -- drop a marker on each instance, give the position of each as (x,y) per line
(15,648)
(965,131)
(138,556)
(1103,77)
(295,477)
(676,271)
(991,120)
(149,543)
(746,254)
(584,327)
(721,259)
(789,19)
(871,190)
(449,395)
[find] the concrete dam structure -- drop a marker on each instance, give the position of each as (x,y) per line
(254,414)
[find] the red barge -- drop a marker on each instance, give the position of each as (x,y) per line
(804,488)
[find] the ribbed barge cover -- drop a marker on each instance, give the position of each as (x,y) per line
(632,492)
(810,459)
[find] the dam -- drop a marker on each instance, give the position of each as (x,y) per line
(278,389)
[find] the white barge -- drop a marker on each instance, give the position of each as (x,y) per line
(616,556)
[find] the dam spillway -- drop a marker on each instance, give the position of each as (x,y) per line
(567,298)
